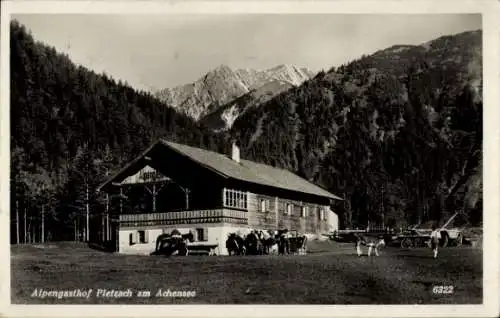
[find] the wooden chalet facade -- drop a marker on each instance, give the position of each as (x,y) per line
(173,186)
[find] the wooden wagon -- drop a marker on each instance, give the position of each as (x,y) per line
(412,239)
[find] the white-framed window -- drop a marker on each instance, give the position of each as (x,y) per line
(289,209)
(264,205)
(142,237)
(239,199)
(138,237)
(235,199)
(303,212)
(202,234)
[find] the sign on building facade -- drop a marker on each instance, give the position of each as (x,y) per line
(146,175)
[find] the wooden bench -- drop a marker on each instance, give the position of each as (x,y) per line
(202,249)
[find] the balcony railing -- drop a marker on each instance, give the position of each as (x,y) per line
(224,215)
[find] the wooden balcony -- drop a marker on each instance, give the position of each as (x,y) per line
(223,215)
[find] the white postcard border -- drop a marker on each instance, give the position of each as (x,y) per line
(491,72)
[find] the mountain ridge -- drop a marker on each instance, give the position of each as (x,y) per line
(224,84)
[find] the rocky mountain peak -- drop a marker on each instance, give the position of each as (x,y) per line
(224,84)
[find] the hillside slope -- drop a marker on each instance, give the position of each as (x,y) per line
(398,133)
(224,116)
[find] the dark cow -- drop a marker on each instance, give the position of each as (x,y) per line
(235,245)
(253,244)
(161,241)
(173,243)
(268,243)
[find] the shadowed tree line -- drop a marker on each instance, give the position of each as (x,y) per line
(70,128)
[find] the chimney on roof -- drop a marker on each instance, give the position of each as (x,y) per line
(235,154)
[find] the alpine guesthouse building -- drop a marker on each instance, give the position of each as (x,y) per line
(174,186)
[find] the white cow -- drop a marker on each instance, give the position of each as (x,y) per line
(372,243)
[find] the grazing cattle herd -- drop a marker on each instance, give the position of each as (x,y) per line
(256,242)
(259,242)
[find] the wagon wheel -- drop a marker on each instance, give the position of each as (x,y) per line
(406,243)
(460,239)
(418,242)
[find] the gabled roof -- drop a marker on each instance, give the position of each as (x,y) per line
(246,170)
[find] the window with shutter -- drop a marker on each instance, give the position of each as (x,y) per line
(199,235)
(304,211)
(289,209)
(142,237)
(262,205)
(202,234)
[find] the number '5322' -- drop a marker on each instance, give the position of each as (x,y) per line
(442,289)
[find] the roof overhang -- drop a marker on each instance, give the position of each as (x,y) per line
(331,197)
(136,162)
(147,157)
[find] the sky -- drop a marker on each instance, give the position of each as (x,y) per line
(158,51)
